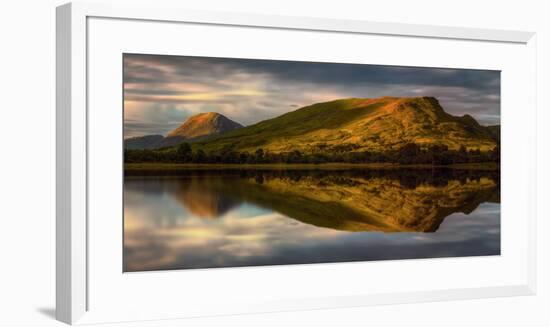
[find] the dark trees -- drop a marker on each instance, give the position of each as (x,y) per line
(408,154)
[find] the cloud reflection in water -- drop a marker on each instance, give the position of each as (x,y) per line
(166,227)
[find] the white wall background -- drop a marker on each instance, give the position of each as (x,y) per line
(27,160)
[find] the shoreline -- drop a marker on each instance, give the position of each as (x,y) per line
(302,166)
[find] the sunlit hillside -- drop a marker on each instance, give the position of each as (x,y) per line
(360,125)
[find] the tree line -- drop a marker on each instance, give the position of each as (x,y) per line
(410,153)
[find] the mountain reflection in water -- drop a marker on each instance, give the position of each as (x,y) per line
(216,218)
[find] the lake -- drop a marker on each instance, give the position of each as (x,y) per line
(184,219)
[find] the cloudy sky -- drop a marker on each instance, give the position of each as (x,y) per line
(160,92)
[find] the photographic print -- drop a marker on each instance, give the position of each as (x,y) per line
(244,162)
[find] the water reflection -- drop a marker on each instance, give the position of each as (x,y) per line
(200,219)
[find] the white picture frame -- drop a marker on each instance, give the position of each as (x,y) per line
(73,159)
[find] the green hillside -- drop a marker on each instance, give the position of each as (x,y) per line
(359,125)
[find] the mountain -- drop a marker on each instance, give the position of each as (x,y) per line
(204,124)
(194,128)
(359,124)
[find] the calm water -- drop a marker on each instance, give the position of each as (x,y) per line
(206,219)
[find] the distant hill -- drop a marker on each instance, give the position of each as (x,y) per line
(360,124)
(204,124)
(194,128)
(143,142)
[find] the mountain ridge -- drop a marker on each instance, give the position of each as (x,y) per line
(377,124)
